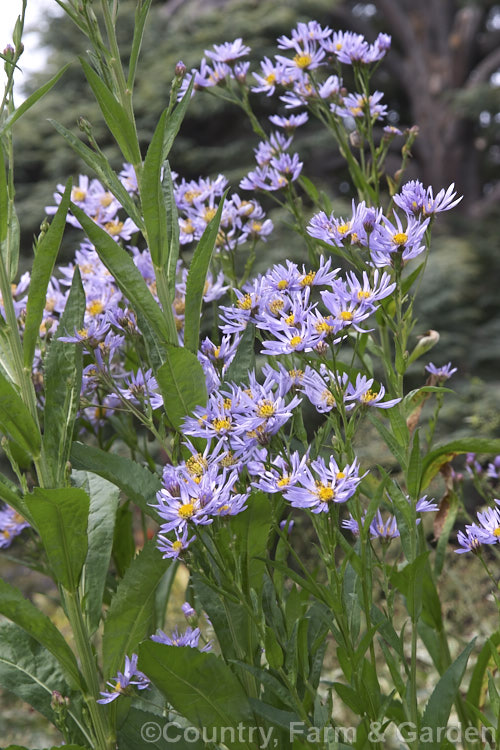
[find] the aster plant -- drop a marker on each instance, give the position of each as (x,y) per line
(162,405)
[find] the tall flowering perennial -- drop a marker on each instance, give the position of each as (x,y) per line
(166,406)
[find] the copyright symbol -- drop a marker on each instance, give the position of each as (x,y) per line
(150,731)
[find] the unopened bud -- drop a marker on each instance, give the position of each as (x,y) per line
(59,703)
(9,52)
(425,342)
(321,348)
(180,69)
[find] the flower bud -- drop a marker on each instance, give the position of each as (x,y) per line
(180,69)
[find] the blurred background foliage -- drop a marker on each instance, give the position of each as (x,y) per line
(442,74)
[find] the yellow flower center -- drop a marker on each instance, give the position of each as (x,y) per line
(78,194)
(245,303)
(106,199)
(95,307)
(290,321)
(227,404)
(329,399)
(295,341)
(186,511)
(271,78)
(265,409)
(308,279)
(343,228)
(283,481)
(83,332)
(190,195)
(276,305)
(346,315)
(196,465)
(216,352)
(221,424)
(369,396)
(118,687)
(283,284)
(303,60)
(400,238)
(208,214)
(325,494)
(177,545)
(496,532)
(187,226)
(113,227)
(256,226)
(50,304)
(340,475)
(363,295)
(323,327)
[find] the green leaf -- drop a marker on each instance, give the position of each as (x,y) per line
(101,523)
(21,611)
(10,494)
(141,15)
(143,730)
(200,686)
(396,448)
(483,662)
(16,420)
(244,359)
(101,167)
(174,121)
(126,274)
(197,275)
(445,453)
(182,384)
(152,201)
(61,518)
(123,540)
(63,379)
(31,673)
(129,617)
(251,533)
(438,708)
(30,101)
(117,119)
(173,230)
(138,483)
(43,265)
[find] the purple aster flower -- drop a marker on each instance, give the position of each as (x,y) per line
(228,52)
(273,74)
(385,530)
(174,548)
(188,610)
(308,56)
(359,105)
(124,680)
(319,485)
(11,525)
(142,387)
(282,473)
(441,373)
(190,638)
(388,239)
(469,541)
(362,393)
(415,200)
(289,124)
(304,33)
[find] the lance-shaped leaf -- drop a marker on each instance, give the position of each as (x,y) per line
(195,283)
(182,384)
(138,483)
(43,265)
(445,453)
(244,359)
(437,710)
(101,167)
(172,228)
(126,274)
(152,201)
(141,14)
(175,119)
(117,119)
(61,518)
(200,686)
(10,494)
(63,378)
(29,671)
(15,607)
(30,101)
(102,515)
(16,420)
(129,618)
